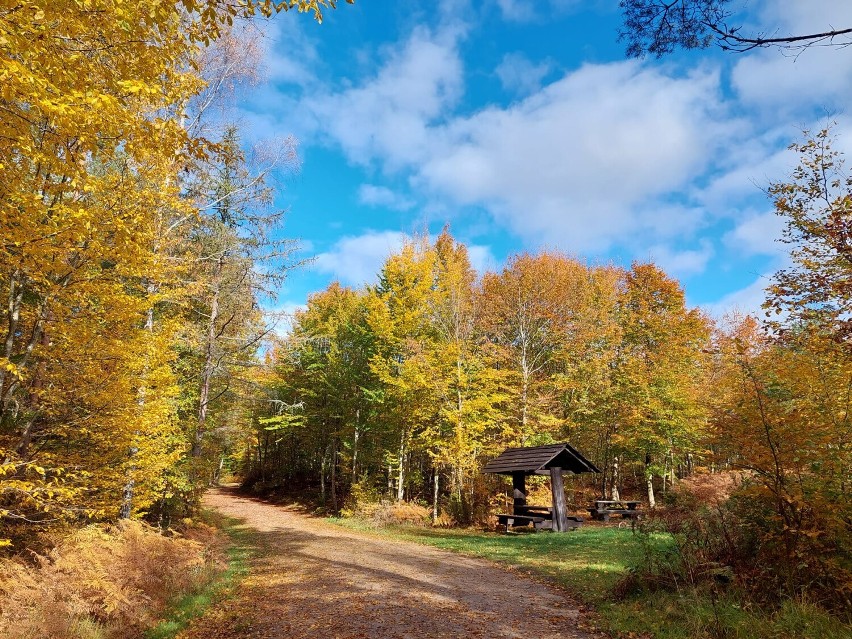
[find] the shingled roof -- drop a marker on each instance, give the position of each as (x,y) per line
(536,460)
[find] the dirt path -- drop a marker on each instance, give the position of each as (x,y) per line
(314,579)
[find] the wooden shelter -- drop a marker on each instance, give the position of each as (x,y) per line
(551,459)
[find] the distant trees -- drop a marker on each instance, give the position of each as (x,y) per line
(432,372)
(658,27)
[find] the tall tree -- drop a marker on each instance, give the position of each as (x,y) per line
(660,373)
(468,387)
(816,205)
(524,308)
(93,137)
(399,318)
(781,413)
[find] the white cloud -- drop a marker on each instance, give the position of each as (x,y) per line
(356,260)
(746,300)
(373,195)
(759,160)
(585,163)
(289,55)
(282,315)
(621,154)
(481,258)
(517,10)
(757,235)
(518,74)
(681,263)
(389,115)
(575,162)
(533,10)
(792,80)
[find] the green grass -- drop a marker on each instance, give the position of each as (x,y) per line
(590,561)
(193,605)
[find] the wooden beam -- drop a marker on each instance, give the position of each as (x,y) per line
(560,517)
(519,489)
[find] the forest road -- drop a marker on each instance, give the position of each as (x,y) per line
(313,579)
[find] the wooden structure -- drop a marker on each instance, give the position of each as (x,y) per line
(553,460)
(605,508)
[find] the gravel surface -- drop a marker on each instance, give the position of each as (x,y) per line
(314,579)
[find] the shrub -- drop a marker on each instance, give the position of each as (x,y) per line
(744,541)
(401,513)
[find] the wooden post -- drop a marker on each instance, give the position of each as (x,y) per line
(519,489)
(560,518)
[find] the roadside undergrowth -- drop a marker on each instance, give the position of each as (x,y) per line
(105,582)
(194,604)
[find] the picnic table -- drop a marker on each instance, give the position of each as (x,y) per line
(541,517)
(604,508)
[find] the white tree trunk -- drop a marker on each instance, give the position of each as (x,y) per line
(652,503)
(400,487)
(615,494)
(209,366)
(435,496)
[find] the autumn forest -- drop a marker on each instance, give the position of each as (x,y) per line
(141,250)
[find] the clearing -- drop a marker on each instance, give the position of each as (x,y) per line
(310,578)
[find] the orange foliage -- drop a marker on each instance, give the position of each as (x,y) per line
(103,582)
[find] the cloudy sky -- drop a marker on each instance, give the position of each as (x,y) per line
(521,124)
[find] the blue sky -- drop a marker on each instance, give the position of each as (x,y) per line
(522,125)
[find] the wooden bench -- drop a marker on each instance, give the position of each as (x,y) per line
(604,508)
(543,521)
(604,515)
(524,520)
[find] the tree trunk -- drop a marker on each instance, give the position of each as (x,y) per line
(130,485)
(323,465)
(652,503)
(435,480)
(16,296)
(333,478)
(400,487)
(615,494)
(218,474)
(209,367)
(355,446)
(525,383)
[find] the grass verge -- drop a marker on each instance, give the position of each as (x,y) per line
(193,605)
(590,561)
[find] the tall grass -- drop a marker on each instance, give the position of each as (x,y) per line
(103,582)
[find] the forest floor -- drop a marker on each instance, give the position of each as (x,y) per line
(310,578)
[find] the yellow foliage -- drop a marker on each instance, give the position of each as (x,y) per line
(93,148)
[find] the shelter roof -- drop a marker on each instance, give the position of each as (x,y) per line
(537,460)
